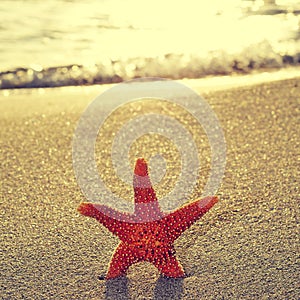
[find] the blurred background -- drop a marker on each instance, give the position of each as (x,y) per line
(47,43)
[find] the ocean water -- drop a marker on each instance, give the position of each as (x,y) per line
(73,42)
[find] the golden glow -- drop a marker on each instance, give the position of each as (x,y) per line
(59,33)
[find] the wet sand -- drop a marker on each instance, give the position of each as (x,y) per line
(246,247)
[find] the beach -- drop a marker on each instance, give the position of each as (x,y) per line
(246,247)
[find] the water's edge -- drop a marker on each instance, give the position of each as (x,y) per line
(170,66)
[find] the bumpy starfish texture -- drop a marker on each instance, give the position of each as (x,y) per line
(148,234)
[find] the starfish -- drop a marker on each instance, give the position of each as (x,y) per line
(148,234)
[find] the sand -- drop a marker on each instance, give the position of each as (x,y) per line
(246,247)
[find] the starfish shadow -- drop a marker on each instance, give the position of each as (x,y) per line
(117,289)
(168,288)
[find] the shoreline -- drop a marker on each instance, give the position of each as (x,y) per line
(207,83)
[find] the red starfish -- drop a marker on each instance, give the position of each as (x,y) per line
(148,234)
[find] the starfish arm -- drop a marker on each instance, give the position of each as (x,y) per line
(169,266)
(122,259)
(181,219)
(107,216)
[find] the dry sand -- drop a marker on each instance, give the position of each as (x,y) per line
(246,247)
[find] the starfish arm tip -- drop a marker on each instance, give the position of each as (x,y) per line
(141,167)
(86,209)
(170,268)
(208,202)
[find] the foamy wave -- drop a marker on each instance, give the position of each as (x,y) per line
(174,66)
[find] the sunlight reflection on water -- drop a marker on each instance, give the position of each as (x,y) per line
(41,34)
